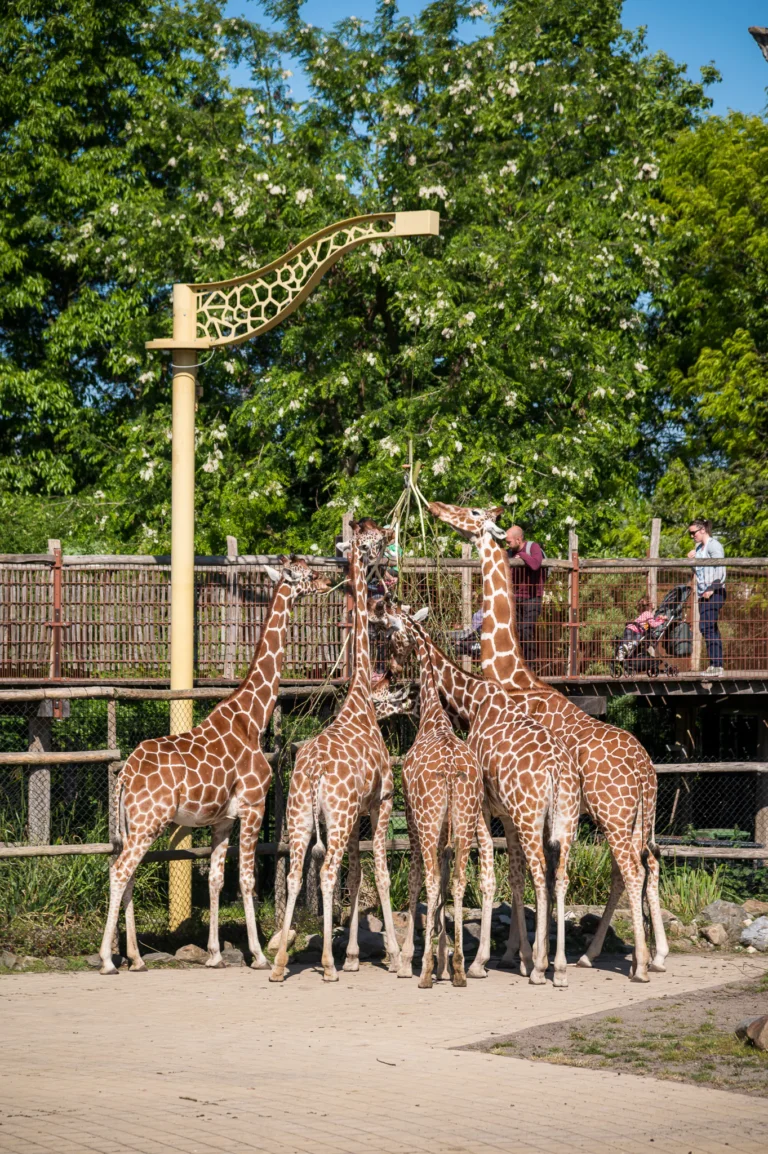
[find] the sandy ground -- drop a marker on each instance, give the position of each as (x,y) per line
(222,1060)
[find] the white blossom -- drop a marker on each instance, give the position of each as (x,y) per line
(510,400)
(242,208)
(558,107)
(371,359)
(340,176)
(641,368)
(148,472)
(145,377)
(218,208)
(303,195)
(411,160)
(217,242)
(172,162)
(229,366)
(447,333)
(390,446)
(441,466)
(510,168)
(114,209)
(433,190)
(276,190)
(467,319)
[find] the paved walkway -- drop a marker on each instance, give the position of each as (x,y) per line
(204,1061)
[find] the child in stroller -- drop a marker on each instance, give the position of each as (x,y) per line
(636,649)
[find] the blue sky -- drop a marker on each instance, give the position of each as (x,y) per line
(693,31)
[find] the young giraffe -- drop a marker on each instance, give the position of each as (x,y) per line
(618,780)
(338,776)
(531,783)
(443,792)
(208,776)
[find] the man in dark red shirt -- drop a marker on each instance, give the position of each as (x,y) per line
(528,584)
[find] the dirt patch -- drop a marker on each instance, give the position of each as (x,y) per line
(684,1038)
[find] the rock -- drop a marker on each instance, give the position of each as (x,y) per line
(471,934)
(371,923)
(94,961)
(755,908)
(273,945)
(589,923)
(233,957)
(158,956)
(228,946)
(675,929)
(56,963)
(717,934)
(8,960)
(750,950)
(754,1030)
(727,914)
(313,944)
(757,934)
(193,954)
(27,962)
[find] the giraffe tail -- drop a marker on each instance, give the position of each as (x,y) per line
(318,850)
(121,823)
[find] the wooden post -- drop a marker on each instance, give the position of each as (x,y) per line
(349,601)
(231,612)
(761,787)
(573,605)
(39,786)
(56,622)
(697,638)
(466,599)
(653,573)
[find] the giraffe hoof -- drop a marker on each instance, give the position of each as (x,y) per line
(560,981)
(459,980)
(584,962)
(277,976)
(137,968)
(425,983)
(537,978)
(476,971)
(216,963)
(657,967)
(639,976)
(260,963)
(108,971)
(330,976)
(352,965)
(393,964)
(405,972)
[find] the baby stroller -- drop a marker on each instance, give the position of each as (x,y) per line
(636,650)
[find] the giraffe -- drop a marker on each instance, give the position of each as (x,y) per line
(618,780)
(208,776)
(338,776)
(443,792)
(531,783)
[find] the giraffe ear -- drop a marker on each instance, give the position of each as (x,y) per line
(274,574)
(421,614)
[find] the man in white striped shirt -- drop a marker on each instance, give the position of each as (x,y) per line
(710,586)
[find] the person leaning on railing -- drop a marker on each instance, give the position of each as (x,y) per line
(710,586)
(528,584)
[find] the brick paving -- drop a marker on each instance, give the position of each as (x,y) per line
(205,1061)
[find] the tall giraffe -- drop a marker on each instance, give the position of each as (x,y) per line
(531,783)
(209,776)
(618,780)
(443,792)
(338,776)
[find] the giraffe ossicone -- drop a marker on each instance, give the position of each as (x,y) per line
(208,776)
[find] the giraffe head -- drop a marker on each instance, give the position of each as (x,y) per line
(390,699)
(471,522)
(400,626)
(301,577)
(372,540)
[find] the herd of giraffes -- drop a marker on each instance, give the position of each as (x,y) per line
(531,758)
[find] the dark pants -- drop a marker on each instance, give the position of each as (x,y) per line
(528,610)
(709,611)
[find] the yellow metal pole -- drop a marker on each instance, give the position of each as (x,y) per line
(182,568)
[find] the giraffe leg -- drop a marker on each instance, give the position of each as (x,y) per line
(517,887)
(566,824)
(488,890)
(131,940)
(380,822)
(432,874)
(461,854)
(337,839)
(657,966)
(120,874)
(352,961)
(299,822)
(415,879)
(617,889)
(534,852)
(561,889)
(219,842)
(627,852)
(250,826)
(444,854)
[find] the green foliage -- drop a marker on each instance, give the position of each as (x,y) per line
(685,890)
(709,331)
(511,350)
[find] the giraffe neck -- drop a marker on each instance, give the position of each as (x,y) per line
(361,676)
(462,692)
(500,651)
(432,713)
(257,692)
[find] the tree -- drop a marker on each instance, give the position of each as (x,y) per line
(710,331)
(510,352)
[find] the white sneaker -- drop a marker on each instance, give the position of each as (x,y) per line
(715,671)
